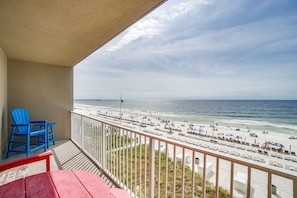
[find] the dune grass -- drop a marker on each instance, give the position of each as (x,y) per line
(136,172)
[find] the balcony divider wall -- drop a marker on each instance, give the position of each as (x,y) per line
(3,102)
(45,90)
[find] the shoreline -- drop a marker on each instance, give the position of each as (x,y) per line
(252,141)
(223,117)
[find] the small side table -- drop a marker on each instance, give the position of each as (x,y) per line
(50,136)
(51,133)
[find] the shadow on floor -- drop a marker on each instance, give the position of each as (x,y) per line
(66,156)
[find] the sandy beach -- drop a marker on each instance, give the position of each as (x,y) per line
(265,148)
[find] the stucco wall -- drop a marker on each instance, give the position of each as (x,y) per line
(3,103)
(45,90)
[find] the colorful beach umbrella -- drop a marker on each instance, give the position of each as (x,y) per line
(278,144)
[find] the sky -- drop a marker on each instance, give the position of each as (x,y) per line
(198,49)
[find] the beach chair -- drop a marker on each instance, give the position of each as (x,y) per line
(23,132)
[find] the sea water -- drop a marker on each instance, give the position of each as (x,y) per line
(265,115)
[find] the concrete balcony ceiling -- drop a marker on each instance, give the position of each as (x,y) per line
(64,32)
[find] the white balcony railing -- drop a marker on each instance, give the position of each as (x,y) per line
(155,165)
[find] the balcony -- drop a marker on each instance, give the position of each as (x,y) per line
(180,169)
(39,52)
(123,157)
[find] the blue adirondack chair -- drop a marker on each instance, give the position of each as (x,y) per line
(24,127)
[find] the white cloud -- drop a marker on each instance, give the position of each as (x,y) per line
(153,24)
(199,49)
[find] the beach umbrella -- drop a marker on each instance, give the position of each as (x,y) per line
(238,137)
(220,133)
(278,145)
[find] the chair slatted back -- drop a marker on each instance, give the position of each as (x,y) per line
(21,116)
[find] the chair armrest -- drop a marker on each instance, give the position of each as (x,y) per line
(41,123)
(43,156)
(20,125)
(38,122)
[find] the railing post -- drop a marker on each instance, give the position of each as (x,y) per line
(103,144)
(71,126)
(174,170)
(249,183)
(204,176)
(269,185)
(166,171)
(183,173)
(295,188)
(152,168)
(231,179)
(82,132)
(217,177)
(193,174)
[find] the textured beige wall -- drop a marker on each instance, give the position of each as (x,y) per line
(3,103)
(45,90)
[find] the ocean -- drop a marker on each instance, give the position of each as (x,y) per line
(266,115)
